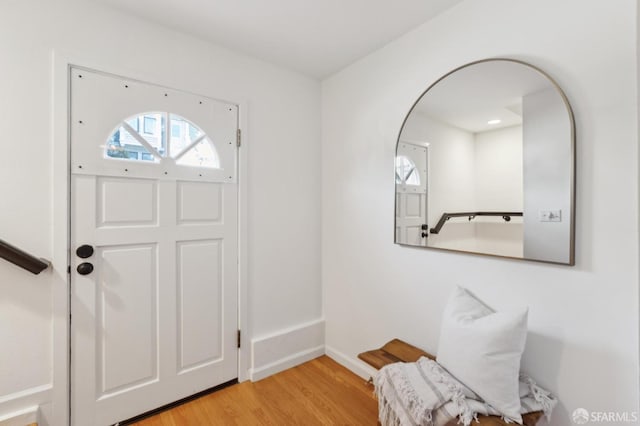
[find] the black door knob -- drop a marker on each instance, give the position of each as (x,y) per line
(84,251)
(85,268)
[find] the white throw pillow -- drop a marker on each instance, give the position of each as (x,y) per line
(482,349)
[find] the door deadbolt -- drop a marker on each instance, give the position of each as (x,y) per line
(84,251)
(85,268)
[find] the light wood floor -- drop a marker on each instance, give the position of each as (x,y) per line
(319,392)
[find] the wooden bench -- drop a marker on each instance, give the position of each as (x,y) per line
(398,351)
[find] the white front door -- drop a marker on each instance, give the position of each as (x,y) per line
(154,246)
(411,194)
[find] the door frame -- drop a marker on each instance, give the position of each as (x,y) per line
(61,63)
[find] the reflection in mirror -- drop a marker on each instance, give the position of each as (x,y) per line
(485,164)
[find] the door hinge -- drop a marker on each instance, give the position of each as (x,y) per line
(238,338)
(238,138)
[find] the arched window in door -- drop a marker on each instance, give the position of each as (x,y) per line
(406,172)
(162,136)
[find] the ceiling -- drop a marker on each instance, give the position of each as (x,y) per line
(470,97)
(315,37)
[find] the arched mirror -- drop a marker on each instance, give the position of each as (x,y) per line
(485,163)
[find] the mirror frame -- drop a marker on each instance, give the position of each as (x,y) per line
(572,124)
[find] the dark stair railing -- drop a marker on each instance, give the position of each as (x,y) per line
(446,216)
(22,259)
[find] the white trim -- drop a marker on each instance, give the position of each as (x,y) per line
(35,392)
(244,355)
(287,348)
(20,418)
(13,405)
(355,365)
(286,363)
(60,249)
(60,82)
(290,330)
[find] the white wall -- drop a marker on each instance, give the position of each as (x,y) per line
(498,184)
(498,172)
(547,176)
(283,178)
(583,340)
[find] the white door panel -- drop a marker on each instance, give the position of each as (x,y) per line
(127,301)
(199,307)
(156,319)
(199,202)
(414,206)
(127,201)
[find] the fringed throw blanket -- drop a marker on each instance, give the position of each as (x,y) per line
(424,394)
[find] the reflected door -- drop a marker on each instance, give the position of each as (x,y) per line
(154,249)
(411,194)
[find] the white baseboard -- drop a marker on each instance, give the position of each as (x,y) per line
(286,363)
(23,417)
(13,406)
(286,348)
(358,367)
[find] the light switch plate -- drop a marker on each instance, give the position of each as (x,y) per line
(550,215)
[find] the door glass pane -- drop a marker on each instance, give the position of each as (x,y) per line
(123,145)
(153,130)
(201,155)
(406,171)
(183,134)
